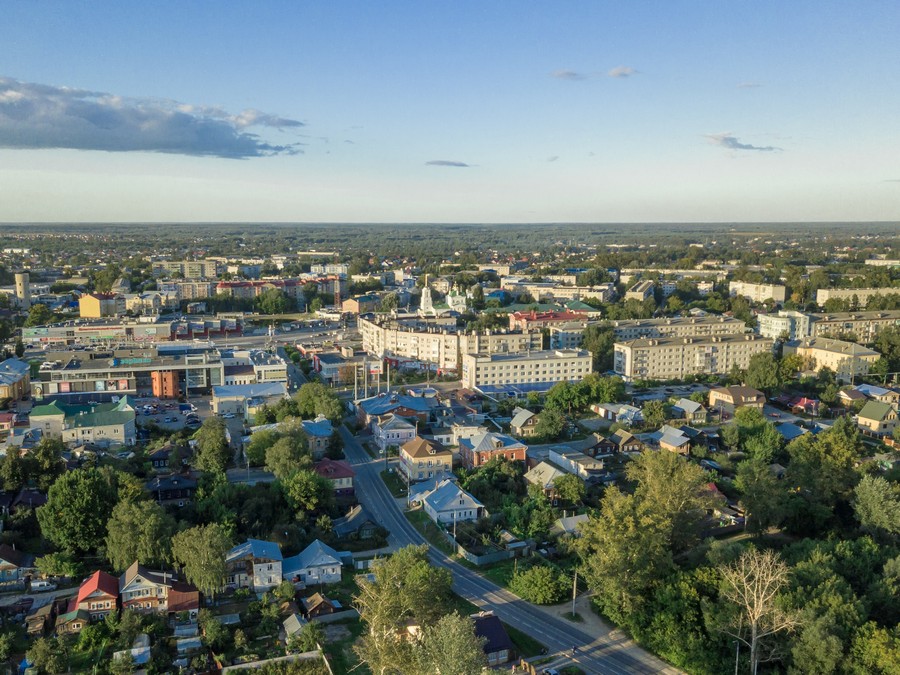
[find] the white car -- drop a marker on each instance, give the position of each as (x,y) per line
(228,416)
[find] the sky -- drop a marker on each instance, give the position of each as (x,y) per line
(497,111)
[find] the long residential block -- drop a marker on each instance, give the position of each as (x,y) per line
(530,368)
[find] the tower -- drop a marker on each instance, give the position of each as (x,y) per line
(23,290)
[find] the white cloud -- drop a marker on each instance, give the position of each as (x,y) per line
(622,71)
(730,142)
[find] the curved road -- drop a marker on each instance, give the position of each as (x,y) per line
(604,654)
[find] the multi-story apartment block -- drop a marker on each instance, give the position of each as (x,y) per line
(640,291)
(633,329)
(847,360)
(794,325)
(530,368)
(676,358)
(438,342)
(864,325)
(757,292)
(567,335)
(862,295)
(339,269)
(189,269)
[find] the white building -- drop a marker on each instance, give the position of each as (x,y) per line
(795,325)
(540,367)
(757,292)
(448,503)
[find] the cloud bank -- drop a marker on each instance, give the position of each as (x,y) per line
(38,116)
(730,142)
(622,71)
(446,162)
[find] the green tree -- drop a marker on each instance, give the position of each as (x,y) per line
(540,584)
(274,301)
(599,340)
(654,413)
(13,471)
(389,302)
(138,531)
(215,634)
(314,398)
(7,643)
(259,443)
(287,456)
(876,504)
(763,496)
(60,564)
(450,647)
(38,315)
(19,349)
(49,655)
(568,397)
(200,552)
(550,424)
(212,454)
(570,488)
(308,491)
(79,504)
(763,372)
(405,588)
(307,639)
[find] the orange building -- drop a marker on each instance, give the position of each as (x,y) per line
(165,384)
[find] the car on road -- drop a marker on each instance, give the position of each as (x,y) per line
(169,420)
(228,416)
(550,671)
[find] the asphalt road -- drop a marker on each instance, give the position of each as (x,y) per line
(605,654)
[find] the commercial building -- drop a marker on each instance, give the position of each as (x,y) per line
(858,295)
(99,305)
(15,379)
(163,371)
(552,291)
(103,424)
(529,368)
(439,342)
(123,332)
(757,292)
(847,360)
(701,326)
(536,321)
(678,358)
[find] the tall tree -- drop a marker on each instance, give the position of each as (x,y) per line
(200,552)
(763,372)
(138,531)
(876,504)
(599,340)
(308,491)
(212,454)
(763,496)
(79,504)
(749,606)
(450,647)
(286,456)
(654,413)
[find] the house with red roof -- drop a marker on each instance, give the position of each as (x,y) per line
(99,595)
(338,473)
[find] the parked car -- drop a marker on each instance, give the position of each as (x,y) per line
(42,586)
(228,416)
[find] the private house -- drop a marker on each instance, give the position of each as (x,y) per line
(421,459)
(392,430)
(622,413)
(524,423)
(568,525)
(146,592)
(475,451)
(176,488)
(674,440)
(14,565)
(15,379)
(7,422)
(159,458)
(98,595)
(498,647)
(544,476)
(318,605)
(730,398)
(72,621)
(255,564)
(293,625)
(625,441)
(318,433)
(37,622)
(881,394)
(357,524)
(877,419)
(404,405)
(103,424)
(690,411)
(339,474)
(239,399)
(318,563)
(847,397)
(448,503)
(576,462)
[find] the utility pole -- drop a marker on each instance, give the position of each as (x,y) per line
(737,654)
(574,592)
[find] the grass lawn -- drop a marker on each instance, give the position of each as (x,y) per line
(394,483)
(340,653)
(429,530)
(526,645)
(501,572)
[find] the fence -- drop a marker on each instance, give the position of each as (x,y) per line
(337,616)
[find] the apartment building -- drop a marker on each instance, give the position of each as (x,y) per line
(529,368)
(864,325)
(536,321)
(552,291)
(438,341)
(676,358)
(633,329)
(848,360)
(757,292)
(862,295)
(567,335)
(795,325)
(189,269)
(640,291)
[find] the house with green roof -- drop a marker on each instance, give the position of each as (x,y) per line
(877,418)
(103,424)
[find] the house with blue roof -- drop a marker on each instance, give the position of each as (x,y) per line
(318,563)
(318,432)
(448,503)
(255,564)
(373,409)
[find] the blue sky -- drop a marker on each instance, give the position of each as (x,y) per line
(449,112)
